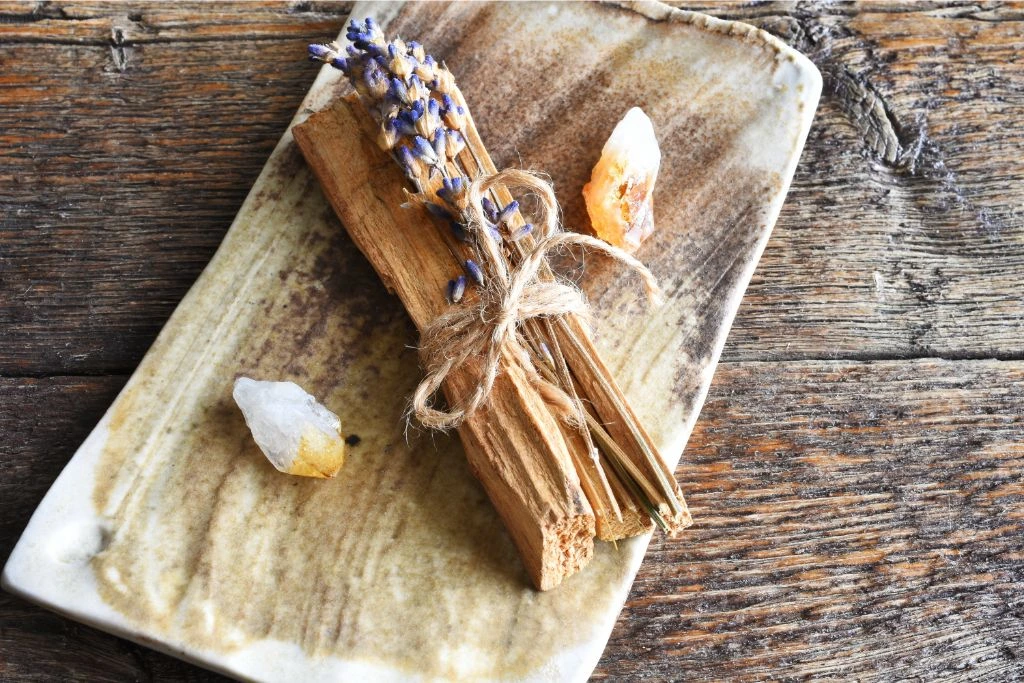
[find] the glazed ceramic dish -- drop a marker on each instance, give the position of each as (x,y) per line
(169,527)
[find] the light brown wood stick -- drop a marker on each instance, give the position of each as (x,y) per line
(514,445)
(602,392)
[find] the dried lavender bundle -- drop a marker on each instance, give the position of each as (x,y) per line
(505,281)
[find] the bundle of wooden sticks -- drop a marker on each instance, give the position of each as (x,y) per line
(545,428)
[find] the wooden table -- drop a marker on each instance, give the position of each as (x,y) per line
(856,473)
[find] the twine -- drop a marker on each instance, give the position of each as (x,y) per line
(477,333)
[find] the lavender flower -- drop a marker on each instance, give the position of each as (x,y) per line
(459,231)
(507,212)
(474,271)
(453,192)
(417,91)
(321,53)
(456,289)
(427,69)
(440,143)
(424,152)
(417,51)
(408,163)
(490,210)
(521,232)
(399,63)
(388,134)
(399,91)
(375,82)
(454,114)
(416,104)
(456,143)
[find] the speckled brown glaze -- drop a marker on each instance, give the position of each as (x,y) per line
(400,564)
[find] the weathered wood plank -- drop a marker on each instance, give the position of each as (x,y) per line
(903,234)
(112,208)
(118,183)
(111,23)
(859,521)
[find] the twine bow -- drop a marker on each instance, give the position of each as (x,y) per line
(488,327)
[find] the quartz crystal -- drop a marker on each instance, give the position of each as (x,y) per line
(620,194)
(297,434)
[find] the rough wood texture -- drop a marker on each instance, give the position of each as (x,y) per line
(892,488)
(514,444)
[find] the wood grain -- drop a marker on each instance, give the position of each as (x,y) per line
(857,521)
(903,236)
(890,488)
(125,147)
(513,444)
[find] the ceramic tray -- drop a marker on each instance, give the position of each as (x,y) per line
(168,526)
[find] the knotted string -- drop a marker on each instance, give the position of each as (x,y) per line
(477,333)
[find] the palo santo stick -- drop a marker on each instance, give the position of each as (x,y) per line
(514,445)
(622,424)
(599,388)
(424,122)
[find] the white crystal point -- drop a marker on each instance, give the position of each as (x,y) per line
(620,194)
(297,434)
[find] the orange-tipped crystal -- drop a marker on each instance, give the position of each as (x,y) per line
(620,194)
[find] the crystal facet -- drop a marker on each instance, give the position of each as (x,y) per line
(620,193)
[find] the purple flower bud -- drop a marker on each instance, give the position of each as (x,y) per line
(456,143)
(320,52)
(452,190)
(459,230)
(388,134)
(506,213)
(367,37)
(376,81)
(423,151)
(417,91)
(474,271)
(521,232)
(493,232)
(408,162)
(456,289)
(425,70)
(440,143)
(425,125)
(454,114)
(398,63)
(417,51)
(490,210)
(418,107)
(341,64)
(399,91)
(406,123)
